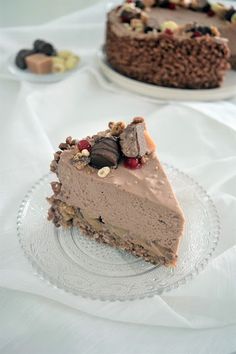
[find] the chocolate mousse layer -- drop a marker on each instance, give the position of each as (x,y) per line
(166,60)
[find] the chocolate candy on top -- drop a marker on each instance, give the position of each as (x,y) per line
(132,140)
(105,152)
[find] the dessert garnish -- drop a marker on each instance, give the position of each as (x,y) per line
(105,152)
(135,14)
(129,144)
(132,140)
(84,144)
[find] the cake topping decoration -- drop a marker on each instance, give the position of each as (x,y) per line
(171,6)
(104,171)
(137,120)
(129,145)
(197,34)
(84,144)
(233,18)
(169,25)
(132,163)
(80,161)
(199,31)
(117,128)
(148,29)
(85,152)
(132,140)
(105,152)
(135,14)
(64,146)
(127,16)
(56,187)
(137,25)
(229,14)
(211,13)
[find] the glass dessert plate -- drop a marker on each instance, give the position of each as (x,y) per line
(73,262)
(226,91)
(26,75)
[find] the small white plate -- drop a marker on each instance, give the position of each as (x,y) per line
(26,75)
(226,91)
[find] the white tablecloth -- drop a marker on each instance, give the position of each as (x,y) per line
(199,317)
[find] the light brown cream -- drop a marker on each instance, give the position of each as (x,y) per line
(141,202)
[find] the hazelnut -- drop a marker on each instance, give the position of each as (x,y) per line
(215,31)
(137,25)
(104,171)
(233,18)
(64,146)
(110,124)
(169,25)
(77,156)
(56,187)
(117,128)
(219,9)
(85,152)
(69,140)
(127,26)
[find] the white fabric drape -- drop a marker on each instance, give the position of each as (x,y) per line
(199,138)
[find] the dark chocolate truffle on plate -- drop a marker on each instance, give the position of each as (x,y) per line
(21,56)
(43,47)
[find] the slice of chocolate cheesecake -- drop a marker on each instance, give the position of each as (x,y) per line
(113,187)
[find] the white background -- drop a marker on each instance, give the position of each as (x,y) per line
(34,324)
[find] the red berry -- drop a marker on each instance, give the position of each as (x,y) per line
(132,163)
(211,13)
(197,34)
(129,1)
(171,6)
(169,32)
(84,144)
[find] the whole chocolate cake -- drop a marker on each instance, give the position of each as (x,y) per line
(177,43)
